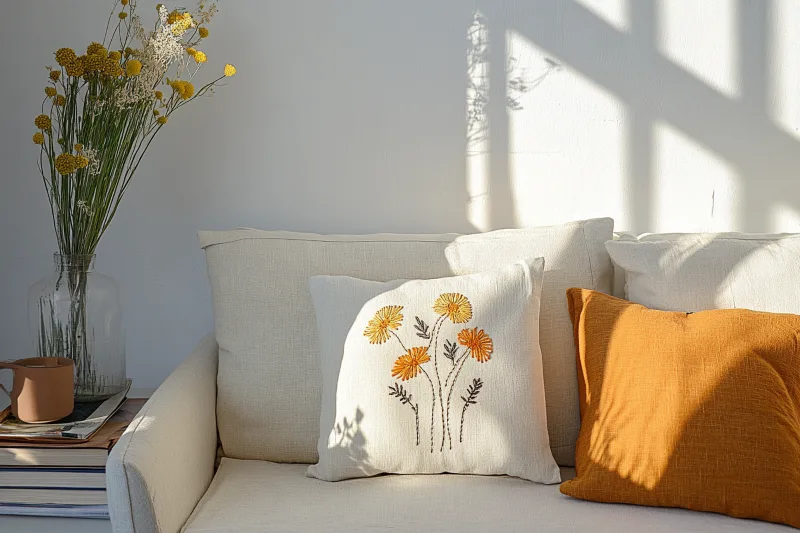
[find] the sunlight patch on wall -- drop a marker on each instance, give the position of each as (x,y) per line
(701,37)
(784,67)
(478,185)
(694,190)
(614,12)
(567,141)
(784,219)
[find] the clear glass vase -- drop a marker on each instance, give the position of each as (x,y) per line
(75,313)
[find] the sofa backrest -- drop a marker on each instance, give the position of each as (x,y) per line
(269,380)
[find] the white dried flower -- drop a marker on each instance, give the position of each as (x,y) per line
(84,207)
(93,168)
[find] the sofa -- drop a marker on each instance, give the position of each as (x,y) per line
(225,442)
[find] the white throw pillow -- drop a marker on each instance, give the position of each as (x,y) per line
(694,272)
(424,377)
(268,383)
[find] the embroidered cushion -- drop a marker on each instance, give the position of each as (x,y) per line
(700,411)
(432,376)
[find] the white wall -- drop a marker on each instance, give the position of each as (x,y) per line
(350,116)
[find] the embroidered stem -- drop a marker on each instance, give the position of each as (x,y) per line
(455,367)
(450,395)
(440,323)
(398,340)
(416,415)
(433,403)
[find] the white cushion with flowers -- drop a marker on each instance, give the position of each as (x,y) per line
(432,376)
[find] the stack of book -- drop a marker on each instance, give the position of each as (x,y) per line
(58,469)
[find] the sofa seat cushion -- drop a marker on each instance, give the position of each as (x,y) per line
(257,496)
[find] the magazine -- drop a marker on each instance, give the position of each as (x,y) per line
(80,425)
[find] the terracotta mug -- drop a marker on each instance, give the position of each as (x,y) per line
(42,389)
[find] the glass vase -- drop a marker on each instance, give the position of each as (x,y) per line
(75,313)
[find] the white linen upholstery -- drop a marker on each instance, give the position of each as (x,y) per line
(164,462)
(269,378)
(256,496)
(695,272)
(366,430)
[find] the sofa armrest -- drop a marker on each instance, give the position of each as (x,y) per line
(164,462)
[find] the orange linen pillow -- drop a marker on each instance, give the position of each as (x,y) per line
(700,411)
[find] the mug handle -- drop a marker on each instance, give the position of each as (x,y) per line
(6,366)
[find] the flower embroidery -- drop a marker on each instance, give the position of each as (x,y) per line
(477,342)
(408,366)
(454,306)
(386,319)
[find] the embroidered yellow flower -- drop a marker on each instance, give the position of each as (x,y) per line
(38,138)
(203,32)
(55,75)
(454,306)
(230,70)
(478,343)
(65,56)
(133,67)
(386,319)
(408,366)
(200,57)
(50,91)
(65,164)
(43,122)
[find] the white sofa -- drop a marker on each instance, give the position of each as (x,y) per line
(205,453)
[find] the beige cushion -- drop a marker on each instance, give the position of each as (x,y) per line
(269,380)
(396,399)
(261,497)
(694,272)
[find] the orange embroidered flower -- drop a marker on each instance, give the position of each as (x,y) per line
(454,306)
(408,366)
(387,318)
(478,343)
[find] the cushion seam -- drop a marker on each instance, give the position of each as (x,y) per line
(588,254)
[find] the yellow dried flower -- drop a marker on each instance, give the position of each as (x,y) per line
(230,70)
(78,147)
(43,122)
(94,62)
(65,56)
(116,55)
(124,2)
(203,32)
(184,89)
(156,112)
(55,75)
(159,6)
(200,57)
(65,164)
(96,48)
(159,95)
(162,120)
(133,67)
(38,138)
(191,51)
(182,24)
(80,161)
(60,100)
(122,15)
(112,67)
(128,52)
(50,91)
(173,17)
(76,68)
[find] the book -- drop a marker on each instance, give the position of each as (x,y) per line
(84,421)
(69,453)
(25,477)
(55,510)
(54,496)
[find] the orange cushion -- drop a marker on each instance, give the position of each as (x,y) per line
(700,411)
